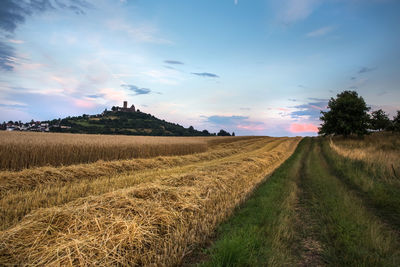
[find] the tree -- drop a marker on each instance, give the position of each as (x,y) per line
(347,115)
(223,133)
(233,133)
(205,132)
(379,120)
(396,122)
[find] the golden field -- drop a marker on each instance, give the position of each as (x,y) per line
(380,151)
(147,211)
(19,150)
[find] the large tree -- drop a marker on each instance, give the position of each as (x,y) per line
(379,120)
(347,115)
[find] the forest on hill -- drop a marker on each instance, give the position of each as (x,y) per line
(126,123)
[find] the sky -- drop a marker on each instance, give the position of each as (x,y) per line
(253,67)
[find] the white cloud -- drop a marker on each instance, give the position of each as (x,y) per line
(164,76)
(320,32)
(6,102)
(142,33)
(292,11)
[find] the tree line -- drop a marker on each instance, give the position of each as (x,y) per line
(348,114)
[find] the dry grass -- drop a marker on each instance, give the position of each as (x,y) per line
(27,190)
(29,178)
(19,150)
(380,150)
(153,216)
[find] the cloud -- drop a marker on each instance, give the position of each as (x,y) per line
(246,109)
(283,109)
(236,2)
(169,67)
(12,104)
(95,96)
(292,11)
(137,90)
(144,33)
(173,62)
(13,41)
(365,70)
(320,32)
(7,56)
(166,76)
(57,106)
(14,13)
(205,74)
(311,110)
(224,120)
(303,128)
(84,103)
(251,127)
(241,124)
(318,99)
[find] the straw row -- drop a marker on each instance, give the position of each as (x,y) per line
(153,223)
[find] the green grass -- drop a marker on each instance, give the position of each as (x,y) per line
(351,235)
(305,200)
(371,184)
(263,229)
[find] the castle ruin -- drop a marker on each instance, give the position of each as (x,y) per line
(125,108)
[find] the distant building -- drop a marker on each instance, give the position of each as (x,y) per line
(125,108)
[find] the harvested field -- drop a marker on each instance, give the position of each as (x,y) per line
(20,150)
(130,212)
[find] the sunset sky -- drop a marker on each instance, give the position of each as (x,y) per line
(255,67)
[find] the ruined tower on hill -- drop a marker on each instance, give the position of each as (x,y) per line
(125,107)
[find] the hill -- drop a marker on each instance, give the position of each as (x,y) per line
(122,122)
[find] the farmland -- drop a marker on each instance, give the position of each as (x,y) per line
(323,206)
(237,201)
(19,150)
(130,211)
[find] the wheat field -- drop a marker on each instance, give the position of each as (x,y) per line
(20,150)
(147,211)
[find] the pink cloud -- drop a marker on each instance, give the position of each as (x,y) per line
(303,128)
(283,109)
(251,127)
(316,107)
(115,96)
(15,41)
(84,103)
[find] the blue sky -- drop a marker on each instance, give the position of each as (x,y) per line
(253,67)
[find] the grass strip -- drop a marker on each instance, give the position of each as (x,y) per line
(263,228)
(351,235)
